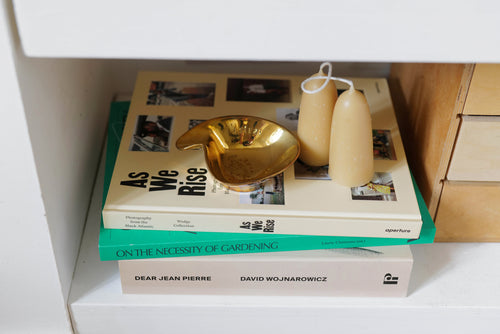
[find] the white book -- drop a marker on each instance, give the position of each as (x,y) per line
(350,272)
(155,186)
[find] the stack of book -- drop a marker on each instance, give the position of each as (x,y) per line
(175,229)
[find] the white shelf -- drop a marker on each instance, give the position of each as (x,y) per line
(282,30)
(55,108)
(454,288)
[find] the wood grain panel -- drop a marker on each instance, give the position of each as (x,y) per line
(476,156)
(484,91)
(469,212)
(428,98)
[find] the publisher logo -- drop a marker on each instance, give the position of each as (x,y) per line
(389,279)
(397,230)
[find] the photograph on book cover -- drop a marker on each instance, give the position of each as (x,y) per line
(152,134)
(288,117)
(194,122)
(383,148)
(258,90)
(168,93)
(306,172)
(380,188)
(269,192)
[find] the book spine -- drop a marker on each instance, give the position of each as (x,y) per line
(348,278)
(261,225)
(215,247)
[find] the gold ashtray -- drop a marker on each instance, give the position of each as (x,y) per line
(242,151)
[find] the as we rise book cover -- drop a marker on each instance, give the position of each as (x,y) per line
(155,186)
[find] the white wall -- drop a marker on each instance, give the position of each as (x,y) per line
(53,115)
(66,104)
(30,293)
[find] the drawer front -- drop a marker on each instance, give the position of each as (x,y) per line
(476,156)
(469,212)
(483,97)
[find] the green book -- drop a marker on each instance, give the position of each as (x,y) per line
(116,244)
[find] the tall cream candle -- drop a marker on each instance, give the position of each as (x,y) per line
(315,119)
(351,142)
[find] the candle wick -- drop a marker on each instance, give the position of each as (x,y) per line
(329,68)
(327,79)
(349,82)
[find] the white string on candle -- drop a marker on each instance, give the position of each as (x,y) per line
(327,79)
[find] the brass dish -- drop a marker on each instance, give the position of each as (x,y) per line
(242,151)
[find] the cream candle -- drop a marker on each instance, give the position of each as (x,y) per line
(315,117)
(351,142)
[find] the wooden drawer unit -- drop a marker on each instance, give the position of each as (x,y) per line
(483,97)
(449,117)
(476,156)
(469,212)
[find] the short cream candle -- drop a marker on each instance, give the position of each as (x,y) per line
(351,142)
(315,119)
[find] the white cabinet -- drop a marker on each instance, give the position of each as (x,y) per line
(279,30)
(53,112)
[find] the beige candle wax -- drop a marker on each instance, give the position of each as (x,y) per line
(315,118)
(351,142)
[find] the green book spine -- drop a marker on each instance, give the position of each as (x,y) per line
(116,244)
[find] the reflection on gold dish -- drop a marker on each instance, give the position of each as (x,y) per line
(242,151)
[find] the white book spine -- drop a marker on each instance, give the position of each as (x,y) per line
(371,274)
(262,224)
